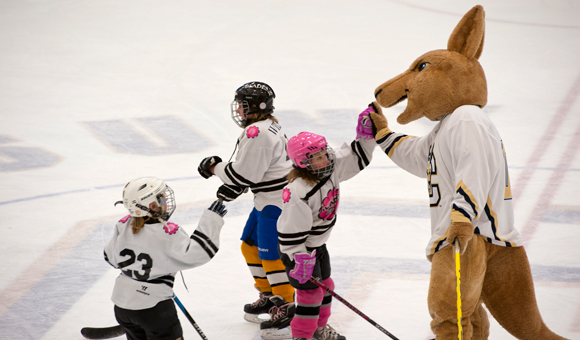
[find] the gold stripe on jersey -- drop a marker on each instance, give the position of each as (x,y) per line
(492,216)
(457,216)
(508,191)
(463,190)
(437,244)
(381,134)
(508,187)
(395,144)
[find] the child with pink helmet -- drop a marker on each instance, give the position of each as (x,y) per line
(309,215)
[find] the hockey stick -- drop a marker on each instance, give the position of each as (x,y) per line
(458,275)
(353,308)
(102,332)
(115,331)
(189,317)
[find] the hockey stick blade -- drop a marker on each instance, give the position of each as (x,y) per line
(102,333)
(353,308)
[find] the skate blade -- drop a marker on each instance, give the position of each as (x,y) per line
(255,318)
(275,333)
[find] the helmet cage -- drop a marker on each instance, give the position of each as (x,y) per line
(240,118)
(167,200)
(321,164)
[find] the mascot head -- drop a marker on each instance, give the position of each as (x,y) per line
(440,81)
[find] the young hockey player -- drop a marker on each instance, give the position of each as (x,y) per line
(261,164)
(308,216)
(149,251)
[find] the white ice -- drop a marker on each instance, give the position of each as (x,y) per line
(95,93)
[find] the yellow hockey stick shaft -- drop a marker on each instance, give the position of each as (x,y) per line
(458,275)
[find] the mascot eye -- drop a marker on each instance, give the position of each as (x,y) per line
(422,66)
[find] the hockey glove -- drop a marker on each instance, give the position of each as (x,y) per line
(218,208)
(304,266)
(207,165)
(364,127)
(463,231)
(380,126)
(229,192)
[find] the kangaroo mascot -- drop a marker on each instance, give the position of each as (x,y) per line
(464,162)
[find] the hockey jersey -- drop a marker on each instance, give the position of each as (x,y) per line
(261,163)
(309,212)
(150,259)
(465,165)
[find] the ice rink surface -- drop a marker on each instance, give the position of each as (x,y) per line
(96,93)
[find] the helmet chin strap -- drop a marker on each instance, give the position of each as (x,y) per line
(251,120)
(152,213)
(162,221)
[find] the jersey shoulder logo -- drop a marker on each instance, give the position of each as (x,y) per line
(286,195)
(274,128)
(125,219)
(329,205)
(252,132)
(171,228)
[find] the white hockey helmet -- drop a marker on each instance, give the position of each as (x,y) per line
(148,196)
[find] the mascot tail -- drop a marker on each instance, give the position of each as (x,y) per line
(516,308)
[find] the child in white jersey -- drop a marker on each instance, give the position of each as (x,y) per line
(308,216)
(261,165)
(150,251)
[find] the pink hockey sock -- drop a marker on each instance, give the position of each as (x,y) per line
(305,320)
(326,303)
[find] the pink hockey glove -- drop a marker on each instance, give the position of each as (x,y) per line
(304,266)
(364,128)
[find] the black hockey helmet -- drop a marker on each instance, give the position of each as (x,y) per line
(255,98)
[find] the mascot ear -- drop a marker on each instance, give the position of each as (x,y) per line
(467,37)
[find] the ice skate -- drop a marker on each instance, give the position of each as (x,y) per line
(327,333)
(278,327)
(258,307)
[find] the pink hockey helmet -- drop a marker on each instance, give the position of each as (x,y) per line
(305,150)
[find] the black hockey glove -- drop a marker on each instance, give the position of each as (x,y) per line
(207,163)
(218,208)
(229,192)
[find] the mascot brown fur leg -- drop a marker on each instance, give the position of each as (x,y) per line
(480,323)
(442,296)
(515,307)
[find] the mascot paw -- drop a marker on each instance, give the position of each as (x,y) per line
(463,231)
(380,126)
